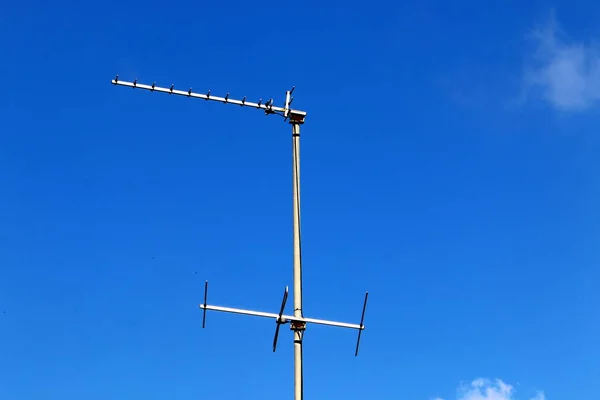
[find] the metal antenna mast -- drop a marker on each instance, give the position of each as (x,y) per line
(297,321)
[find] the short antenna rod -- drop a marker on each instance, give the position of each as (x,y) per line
(362,319)
(204,311)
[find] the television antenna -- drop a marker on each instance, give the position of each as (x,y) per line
(297,321)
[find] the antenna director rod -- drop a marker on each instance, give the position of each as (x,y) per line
(268,106)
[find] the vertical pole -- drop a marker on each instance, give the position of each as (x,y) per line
(298,329)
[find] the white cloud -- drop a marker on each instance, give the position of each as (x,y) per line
(566,73)
(484,389)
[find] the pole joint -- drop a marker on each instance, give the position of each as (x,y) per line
(296,118)
(297,326)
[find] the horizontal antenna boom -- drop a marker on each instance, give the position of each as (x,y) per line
(268,107)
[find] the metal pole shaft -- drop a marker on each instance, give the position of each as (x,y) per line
(298,333)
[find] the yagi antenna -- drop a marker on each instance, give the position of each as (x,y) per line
(268,106)
(297,321)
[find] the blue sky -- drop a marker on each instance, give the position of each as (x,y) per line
(449,166)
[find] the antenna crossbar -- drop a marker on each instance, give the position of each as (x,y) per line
(284,318)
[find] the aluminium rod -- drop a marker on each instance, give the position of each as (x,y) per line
(275,316)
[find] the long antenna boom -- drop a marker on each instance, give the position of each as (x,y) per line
(268,106)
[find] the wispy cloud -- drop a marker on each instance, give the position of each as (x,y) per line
(484,389)
(565,72)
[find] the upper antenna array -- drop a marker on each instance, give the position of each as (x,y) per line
(286,111)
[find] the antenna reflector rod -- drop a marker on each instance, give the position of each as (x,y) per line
(153,85)
(362,319)
(135,82)
(208,94)
(227,97)
(292,91)
(116,78)
(204,313)
(243,101)
(172,86)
